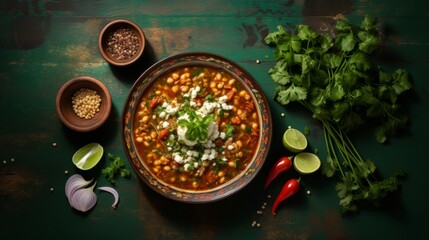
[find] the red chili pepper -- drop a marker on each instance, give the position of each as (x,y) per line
(282,164)
(290,188)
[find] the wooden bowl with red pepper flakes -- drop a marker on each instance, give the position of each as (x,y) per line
(121,42)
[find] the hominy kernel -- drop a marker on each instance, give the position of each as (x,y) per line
(232,164)
(175,88)
(184,88)
(222,180)
(86,103)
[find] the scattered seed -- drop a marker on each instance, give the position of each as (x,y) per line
(54,144)
(4,162)
(269,196)
(12,159)
(282,114)
(66,172)
(263,207)
(51,189)
(308,192)
(258,225)
(257,61)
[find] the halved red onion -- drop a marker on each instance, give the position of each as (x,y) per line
(74,183)
(84,199)
(113,192)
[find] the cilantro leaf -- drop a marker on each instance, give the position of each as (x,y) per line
(279,73)
(347,42)
(368,23)
(401,82)
(306,33)
(291,94)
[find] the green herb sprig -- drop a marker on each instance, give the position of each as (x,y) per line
(116,168)
(334,79)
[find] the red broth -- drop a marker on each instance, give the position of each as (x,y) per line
(196,128)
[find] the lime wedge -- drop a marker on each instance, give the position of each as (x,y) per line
(88,156)
(306,163)
(294,140)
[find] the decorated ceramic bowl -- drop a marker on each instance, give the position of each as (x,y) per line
(196,127)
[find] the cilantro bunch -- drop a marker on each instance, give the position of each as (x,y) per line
(332,77)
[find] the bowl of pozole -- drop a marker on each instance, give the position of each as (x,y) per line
(196,127)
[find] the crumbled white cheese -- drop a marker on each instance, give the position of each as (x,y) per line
(162,114)
(222,135)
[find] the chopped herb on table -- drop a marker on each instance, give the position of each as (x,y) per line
(116,168)
(333,78)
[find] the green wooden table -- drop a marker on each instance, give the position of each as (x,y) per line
(45,43)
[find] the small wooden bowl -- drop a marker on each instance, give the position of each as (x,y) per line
(64,105)
(110,28)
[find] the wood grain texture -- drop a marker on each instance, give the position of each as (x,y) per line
(45,43)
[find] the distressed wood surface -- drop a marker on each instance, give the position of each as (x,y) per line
(45,43)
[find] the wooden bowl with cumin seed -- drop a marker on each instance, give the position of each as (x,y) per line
(121,42)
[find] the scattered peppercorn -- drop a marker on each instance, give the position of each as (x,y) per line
(122,44)
(86,103)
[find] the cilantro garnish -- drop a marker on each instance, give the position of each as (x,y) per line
(197,126)
(334,79)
